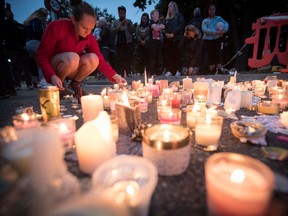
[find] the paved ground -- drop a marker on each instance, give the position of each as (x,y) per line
(26,98)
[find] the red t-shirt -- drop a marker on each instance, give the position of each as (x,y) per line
(60,37)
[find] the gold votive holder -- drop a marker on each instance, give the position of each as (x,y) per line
(268,107)
(168,147)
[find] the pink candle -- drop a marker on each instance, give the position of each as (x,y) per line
(171,116)
(154,89)
(237,185)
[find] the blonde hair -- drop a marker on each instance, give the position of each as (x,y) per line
(175,10)
(40,13)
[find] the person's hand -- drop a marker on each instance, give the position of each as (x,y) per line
(120,80)
(55,80)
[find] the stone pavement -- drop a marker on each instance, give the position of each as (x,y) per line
(26,97)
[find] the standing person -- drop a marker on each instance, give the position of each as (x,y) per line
(174,28)
(123,29)
(197,19)
(156,44)
(142,39)
(102,35)
(14,44)
(34,27)
(69,49)
(214,27)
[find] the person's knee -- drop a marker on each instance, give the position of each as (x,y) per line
(72,61)
(90,60)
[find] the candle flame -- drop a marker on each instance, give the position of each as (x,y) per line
(130,189)
(237,176)
(163,102)
(25,117)
(63,127)
(166,135)
(124,99)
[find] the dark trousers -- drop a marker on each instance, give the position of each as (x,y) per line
(155,57)
(124,55)
(143,57)
(172,58)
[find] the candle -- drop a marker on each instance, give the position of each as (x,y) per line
(94,143)
(246,99)
(163,84)
(25,120)
(106,102)
(187,83)
(268,107)
(215,94)
(127,181)
(114,127)
(170,116)
(207,132)
(237,185)
(176,100)
(186,97)
(281,100)
(136,84)
(201,91)
(163,105)
(192,112)
(143,105)
(168,147)
(154,89)
(91,106)
(284,118)
(66,129)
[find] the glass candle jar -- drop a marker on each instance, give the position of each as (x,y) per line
(168,147)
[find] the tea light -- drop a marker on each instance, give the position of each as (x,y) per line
(281,100)
(68,97)
(25,120)
(268,107)
(170,116)
(127,181)
(74,106)
(237,185)
(167,147)
(91,106)
(204,140)
(187,83)
(163,104)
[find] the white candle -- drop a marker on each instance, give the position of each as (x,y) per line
(187,83)
(91,106)
(237,185)
(200,89)
(246,99)
(215,94)
(207,132)
(94,143)
(106,102)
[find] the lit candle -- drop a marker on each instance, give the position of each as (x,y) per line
(168,147)
(91,106)
(66,129)
(281,100)
(187,83)
(205,140)
(25,120)
(176,100)
(126,181)
(237,185)
(170,116)
(94,143)
(268,107)
(284,118)
(192,112)
(201,91)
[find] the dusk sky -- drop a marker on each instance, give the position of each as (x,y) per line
(23,8)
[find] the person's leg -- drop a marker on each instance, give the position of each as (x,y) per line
(65,64)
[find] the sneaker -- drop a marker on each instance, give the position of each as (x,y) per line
(168,73)
(178,73)
(30,87)
(35,85)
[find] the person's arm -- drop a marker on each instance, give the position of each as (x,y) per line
(207,29)
(180,25)
(130,26)
(104,67)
